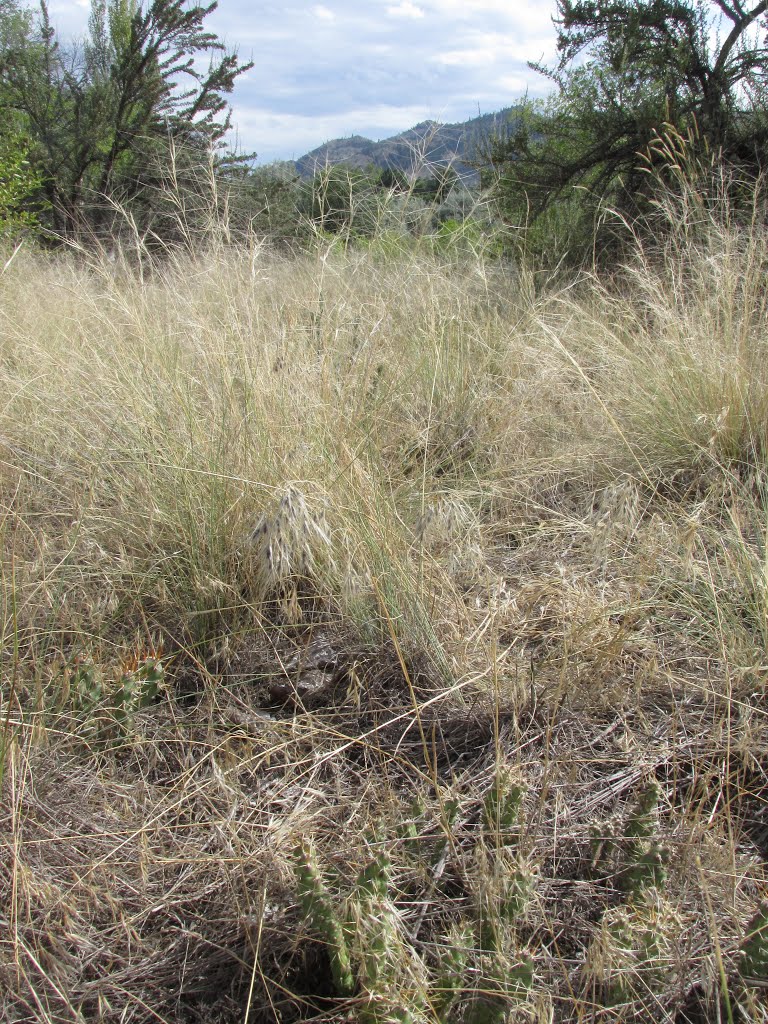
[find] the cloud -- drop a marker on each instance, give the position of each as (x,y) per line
(484,48)
(328,68)
(69,17)
(66,7)
(514,85)
(533,12)
(406,9)
(465,58)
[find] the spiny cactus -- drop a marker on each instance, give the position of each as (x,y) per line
(506,972)
(520,977)
(754,948)
(372,882)
(515,891)
(137,688)
(649,869)
(506,983)
(318,906)
(85,684)
(376,924)
(640,822)
(634,951)
(602,840)
(643,855)
(452,960)
(628,846)
(408,830)
(428,850)
(486,1008)
(511,882)
(366,939)
(502,904)
(501,809)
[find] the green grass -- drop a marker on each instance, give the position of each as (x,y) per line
(480,530)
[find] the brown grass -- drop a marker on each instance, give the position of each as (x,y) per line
(525,532)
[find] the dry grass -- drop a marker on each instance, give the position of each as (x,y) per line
(392,529)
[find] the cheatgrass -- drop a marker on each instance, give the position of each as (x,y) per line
(384,632)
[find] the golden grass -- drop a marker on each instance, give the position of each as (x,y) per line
(526,531)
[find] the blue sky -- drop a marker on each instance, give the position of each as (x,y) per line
(367,67)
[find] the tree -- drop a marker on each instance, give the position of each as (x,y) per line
(93,111)
(437,186)
(626,69)
(394,180)
(700,55)
(19,184)
(344,200)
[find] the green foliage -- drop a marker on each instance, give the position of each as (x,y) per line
(506,897)
(501,809)
(453,957)
(408,830)
(318,906)
(86,685)
(364,926)
(436,187)
(269,201)
(503,897)
(754,948)
(138,687)
(632,954)
(643,855)
(95,113)
(20,183)
(343,200)
(394,179)
(370,204)
(626,69)
(105,708)
(629,847)
(468,238)
(366,939)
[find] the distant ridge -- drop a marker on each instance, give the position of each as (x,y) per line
(426,147)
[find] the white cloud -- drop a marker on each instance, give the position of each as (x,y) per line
(484,48)
(323,13)
(406,9)
(533,18)
(465,58)
(518,85)
(533,11)
(69,17)
(66,7)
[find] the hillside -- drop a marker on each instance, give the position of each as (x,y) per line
(425,146)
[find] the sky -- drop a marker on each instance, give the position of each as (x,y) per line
(367,67)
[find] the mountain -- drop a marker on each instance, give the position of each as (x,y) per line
(419,150)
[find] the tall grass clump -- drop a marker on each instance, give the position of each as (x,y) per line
(672,346)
